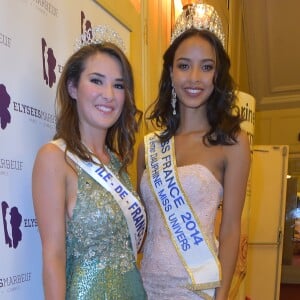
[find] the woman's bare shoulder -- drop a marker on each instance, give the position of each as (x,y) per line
(49,156)
(240,151)
(49,149)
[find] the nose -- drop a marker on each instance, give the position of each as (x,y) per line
(107,93)
(195,74)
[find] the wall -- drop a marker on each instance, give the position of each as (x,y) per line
(236,46)
(279,127)
(157,16)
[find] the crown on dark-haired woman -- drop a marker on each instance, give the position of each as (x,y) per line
(199,16)
(98,35)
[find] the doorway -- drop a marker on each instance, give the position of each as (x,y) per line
(290,275)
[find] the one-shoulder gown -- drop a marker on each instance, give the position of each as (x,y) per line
(100,261)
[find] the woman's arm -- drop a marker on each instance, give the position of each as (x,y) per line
(235,182)
(140,164)
(140,170)
(49,194)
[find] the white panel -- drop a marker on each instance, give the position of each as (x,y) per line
(266,223)
(265,195)
(261,265)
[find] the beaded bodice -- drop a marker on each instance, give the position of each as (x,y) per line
(100,260)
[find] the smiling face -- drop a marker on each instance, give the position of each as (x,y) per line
(100,93)
(193,72)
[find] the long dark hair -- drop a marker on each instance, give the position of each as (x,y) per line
(222,113)
(121,136)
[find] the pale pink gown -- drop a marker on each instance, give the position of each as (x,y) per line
(163,273)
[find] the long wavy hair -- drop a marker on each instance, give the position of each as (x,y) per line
(121,136)
(222,113)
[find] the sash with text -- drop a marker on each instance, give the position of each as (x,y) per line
(184,228)
(131,206)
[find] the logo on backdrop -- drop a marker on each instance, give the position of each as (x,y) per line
(14,282)
(45,7)
(248,114)
(12,220)
(5,40)
(5,116)
(10,165)
(85,24)
(49,64)
(32,112)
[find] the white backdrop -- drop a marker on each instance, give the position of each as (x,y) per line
(36,37)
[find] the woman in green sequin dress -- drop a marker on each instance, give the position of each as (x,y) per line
(87,244)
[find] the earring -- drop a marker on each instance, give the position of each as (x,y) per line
(173,101)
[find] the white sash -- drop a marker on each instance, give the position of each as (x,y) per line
(181,222)
(132,209)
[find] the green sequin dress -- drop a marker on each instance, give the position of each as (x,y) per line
(100,261)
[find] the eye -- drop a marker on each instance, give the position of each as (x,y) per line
(96,81)
(119,86)
(207,67)
(182,66)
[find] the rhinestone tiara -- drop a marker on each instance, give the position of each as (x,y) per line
(98,35)
(199,16)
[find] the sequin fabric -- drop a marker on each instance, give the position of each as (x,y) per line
(100,260)
(162,271)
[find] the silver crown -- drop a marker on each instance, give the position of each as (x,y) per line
(199,16)
(99,35)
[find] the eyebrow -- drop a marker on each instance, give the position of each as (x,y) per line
(202,60)
(103,76)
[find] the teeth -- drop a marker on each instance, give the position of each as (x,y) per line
(193,91)
(104,108)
